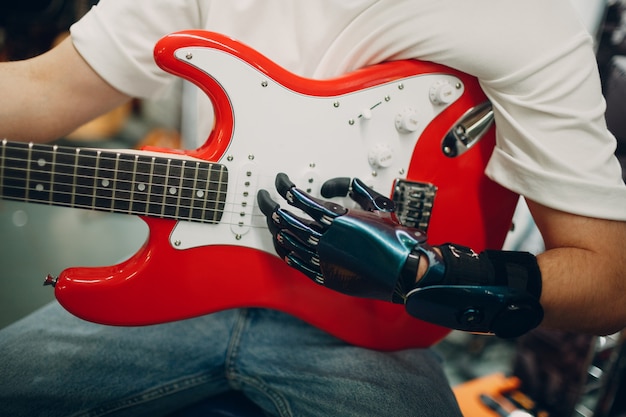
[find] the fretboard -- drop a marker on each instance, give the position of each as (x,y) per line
(113,181)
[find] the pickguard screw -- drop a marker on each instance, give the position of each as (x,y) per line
(177,243)
(189,55)
(230,158)
(400,86)
(336,104)
(264,84)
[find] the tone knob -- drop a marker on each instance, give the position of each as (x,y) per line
(380,156)
(442,92)
(407,121)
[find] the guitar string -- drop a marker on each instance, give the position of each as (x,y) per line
(228,218)
(213,186)
(195,166)
(230,208)
(120,184)
(143,198)
(136,159)
(207,167)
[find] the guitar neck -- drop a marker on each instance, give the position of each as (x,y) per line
(113,181)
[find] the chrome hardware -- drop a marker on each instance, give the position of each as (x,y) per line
(414,203)
(468,130)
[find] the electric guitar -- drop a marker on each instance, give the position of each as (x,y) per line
(420,132)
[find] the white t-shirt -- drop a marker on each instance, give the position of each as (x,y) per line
(534,59)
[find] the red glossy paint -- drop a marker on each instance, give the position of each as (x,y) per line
(160,283)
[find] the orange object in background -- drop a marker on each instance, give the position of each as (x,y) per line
(468,394)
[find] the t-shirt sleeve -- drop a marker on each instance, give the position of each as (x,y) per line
(553,145)
(117,40)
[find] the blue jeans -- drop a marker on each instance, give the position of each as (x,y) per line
(53,364)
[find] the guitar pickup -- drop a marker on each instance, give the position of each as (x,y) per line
(244,200)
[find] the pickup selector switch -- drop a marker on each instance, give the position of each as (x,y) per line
(407,121)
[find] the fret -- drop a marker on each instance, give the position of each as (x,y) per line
(198,196)
(187,190)
(53,164)
(94,180)
(208,195)
(64,174)
(75,166)
(84,178)
(141,184)
(180,190)
(216,193)
(28,160)
(133,182)
(116,161)
(123,190)
(173,188)
(104,184)
(40,177)
(15,164)
(158,175)
(2,164)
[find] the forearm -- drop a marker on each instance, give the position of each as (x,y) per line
(583,272)
(22,113)
(582,292)
(49,96)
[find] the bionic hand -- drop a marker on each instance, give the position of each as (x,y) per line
(367,253)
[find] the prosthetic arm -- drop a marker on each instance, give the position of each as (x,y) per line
(367,253)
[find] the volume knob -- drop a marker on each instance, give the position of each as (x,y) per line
(407,121)
(380,156)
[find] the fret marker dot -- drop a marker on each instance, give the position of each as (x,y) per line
(41,162)
(172,190)
(105,183)
(39,187)
(200,193)
(141,187)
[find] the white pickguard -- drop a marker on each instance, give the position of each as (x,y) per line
(312,139)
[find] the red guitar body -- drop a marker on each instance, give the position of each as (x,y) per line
(185,270)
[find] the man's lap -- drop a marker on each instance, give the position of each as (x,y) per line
(55,364)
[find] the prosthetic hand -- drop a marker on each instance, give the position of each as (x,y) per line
(367,253)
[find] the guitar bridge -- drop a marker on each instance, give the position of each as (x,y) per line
(414,203)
